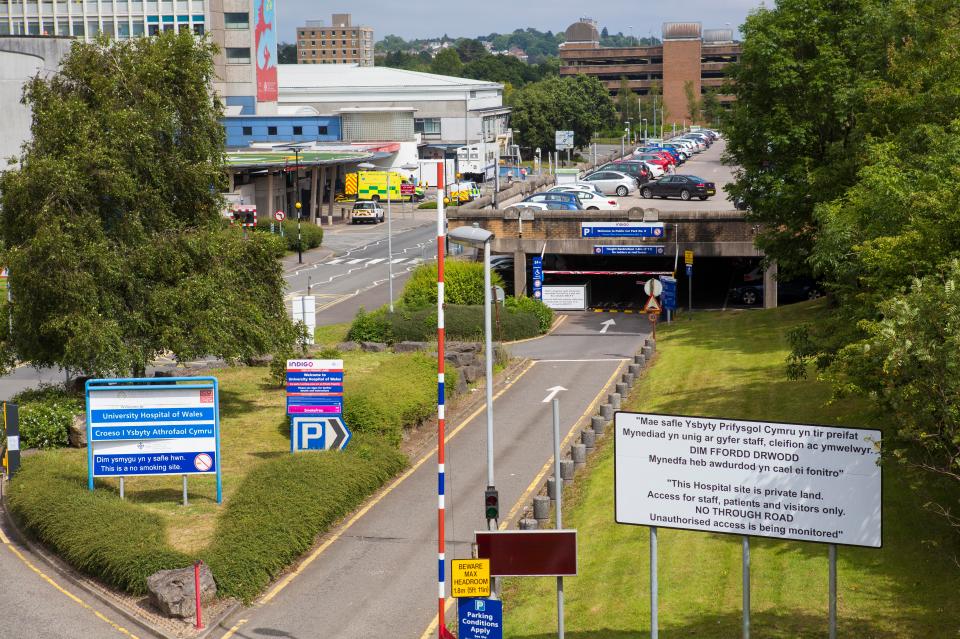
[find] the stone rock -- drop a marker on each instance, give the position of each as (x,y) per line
(77,433)
(373,347)
(411,347)
(472,373)
(172,591)
(260,360)
(163,373)
(461,384)
(347,346)
(464,347)
(77,385)
(460,359)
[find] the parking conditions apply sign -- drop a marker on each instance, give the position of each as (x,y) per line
(767,479)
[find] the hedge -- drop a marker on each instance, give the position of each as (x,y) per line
(45,416)
(516,321)
(463,284)
(311,233)
(283,504)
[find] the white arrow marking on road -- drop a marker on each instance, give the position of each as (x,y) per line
(553,393)
(606,326)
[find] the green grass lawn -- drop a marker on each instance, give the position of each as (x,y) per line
(732,365)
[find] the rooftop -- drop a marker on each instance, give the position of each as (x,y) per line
(348,76)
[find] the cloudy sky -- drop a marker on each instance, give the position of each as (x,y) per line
(426,18)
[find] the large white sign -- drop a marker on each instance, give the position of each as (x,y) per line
(768,479)
(565,298)
(304,309)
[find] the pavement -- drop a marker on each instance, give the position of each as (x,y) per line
(376,575)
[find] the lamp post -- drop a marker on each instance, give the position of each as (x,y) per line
(477,238)
(646,130)
(296,148)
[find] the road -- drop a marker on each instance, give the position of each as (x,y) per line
(376,575)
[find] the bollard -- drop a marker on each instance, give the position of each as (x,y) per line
(615,400)
(541,508)
(579,454)
(598,424)
(648,352)
(566,470)
(528,524)
(606,411)
(622,389)
(589,439)
(629,378)
(639,358)
(551,488)
(651,343)
(196,592)
(635,369)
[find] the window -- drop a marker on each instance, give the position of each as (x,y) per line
(248,130)
(236,20)
(153,29)
(427,126)
(322,130)
(137,28)
(238,55)
(198,29)
(298,130)
(271,130)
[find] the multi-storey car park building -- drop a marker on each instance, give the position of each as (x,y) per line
(687,54)
(339,43)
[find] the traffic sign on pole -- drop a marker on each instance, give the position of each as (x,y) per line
(470,578)
(653,287)
(652,306)
(688,258)
(480,619)
(279,216)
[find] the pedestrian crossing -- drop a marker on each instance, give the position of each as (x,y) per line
(370,261)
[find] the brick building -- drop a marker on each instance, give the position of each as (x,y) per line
(341,42)
(687,54)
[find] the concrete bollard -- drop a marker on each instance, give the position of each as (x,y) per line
(589,439)
(629,379)
(615,400)
(606,412)
(639,358)
(635,370)
(579,454)
(598,424)
(551,488)
(652,343)
(648,352)
(541,508)
(622,389)
(528,524)
(566,470)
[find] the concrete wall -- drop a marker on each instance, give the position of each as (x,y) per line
(21,58)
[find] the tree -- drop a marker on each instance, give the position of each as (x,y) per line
(447,62)
(286,53)
(470,50)
(111,226)
(579,103)
(627,102)
(694,103)
(712,109)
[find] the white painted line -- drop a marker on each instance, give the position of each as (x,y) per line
(356,260)
(336,261)
(399,259)
(377,260)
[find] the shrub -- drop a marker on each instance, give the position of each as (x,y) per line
(371,327)
(529,305)
(283,504)
(463,284)
(45,416)
(462,323)
(115,541)
(311,233)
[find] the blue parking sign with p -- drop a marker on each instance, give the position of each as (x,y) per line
(480,618)
(308,433)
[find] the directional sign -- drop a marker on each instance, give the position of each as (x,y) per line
(537,277)
(480,619)
(606,326)
(279,216)
(470,578)
(621,229)
(643,249)
(688,258)
(563,140)
(552,392)
(668,298)
(652,306)
(653,287)
(315,404)
(689,270)
(312,432)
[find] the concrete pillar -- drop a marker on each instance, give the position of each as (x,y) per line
(333,193)
(268,214)
(770,286)
(314,182)
(519,274)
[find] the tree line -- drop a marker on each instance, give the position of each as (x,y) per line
(846,130)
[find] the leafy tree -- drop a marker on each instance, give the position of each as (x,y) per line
(286,53)
(111,226)
(712,109)
(447,62)
(579,103)
(694,102)
(626,101)
(470,50)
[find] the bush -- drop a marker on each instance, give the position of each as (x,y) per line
(311,233)
(462,323)
(463,284)
(428,204)
(45,416)
(371,327)
(400,393)
(115,541)
(283,504)
(529,305)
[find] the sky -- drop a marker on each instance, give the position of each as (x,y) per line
(432,18)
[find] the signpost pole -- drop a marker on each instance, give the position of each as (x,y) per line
(558,486)
(11,418)
(121,487)
(441,417)
(746,587)
(689,288)
(390,242)
(654,631)
(185,490)
(832,554)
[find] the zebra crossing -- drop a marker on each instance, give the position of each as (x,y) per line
(370,261)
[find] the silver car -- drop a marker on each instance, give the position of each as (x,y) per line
(612,182)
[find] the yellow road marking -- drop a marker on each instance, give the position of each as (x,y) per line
(536,482)
(283,583)
(234,630)
(6,542)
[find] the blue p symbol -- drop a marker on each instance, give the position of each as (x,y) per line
(479,605)
(311,435)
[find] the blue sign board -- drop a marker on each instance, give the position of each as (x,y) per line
(648,249)
(142,427)
(537,277)
(621,229)
(689,270)
(480,619)
(315,404)
(668,297)
(318,432)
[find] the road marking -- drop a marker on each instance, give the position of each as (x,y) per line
(606,326)
(377,260)
(336,261)
(283,583)
(234,629)
(6,542)
(553,393)
(356,260)
(564,361)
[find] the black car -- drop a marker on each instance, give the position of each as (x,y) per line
(682,186)
(637,170)
(787,292)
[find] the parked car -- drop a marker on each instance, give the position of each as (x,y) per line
(682,186)
(552,201)
(367,211)
(591,201)
(671,153)
(652,158)
(639,170)
(655,169)
(576,186)
(787,292)
(700,143)
(612,182)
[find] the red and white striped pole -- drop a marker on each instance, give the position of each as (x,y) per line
(442,632)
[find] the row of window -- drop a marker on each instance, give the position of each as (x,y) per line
(364,62)
(121,29)
(134,7)
(303,54)
(272,130)
(333,32)
(323,43)
(426,126)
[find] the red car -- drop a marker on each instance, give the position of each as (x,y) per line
(655,158)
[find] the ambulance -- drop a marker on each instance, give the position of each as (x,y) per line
(372,185)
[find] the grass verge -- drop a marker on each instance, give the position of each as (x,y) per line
(732,365)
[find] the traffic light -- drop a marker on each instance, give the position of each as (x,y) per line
(491,500)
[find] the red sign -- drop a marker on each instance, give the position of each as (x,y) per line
(279,216)
(529,553)
(265,42)
(406,188)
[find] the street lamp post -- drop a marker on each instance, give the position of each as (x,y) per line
(477,238)
(646,130)
(296,148)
